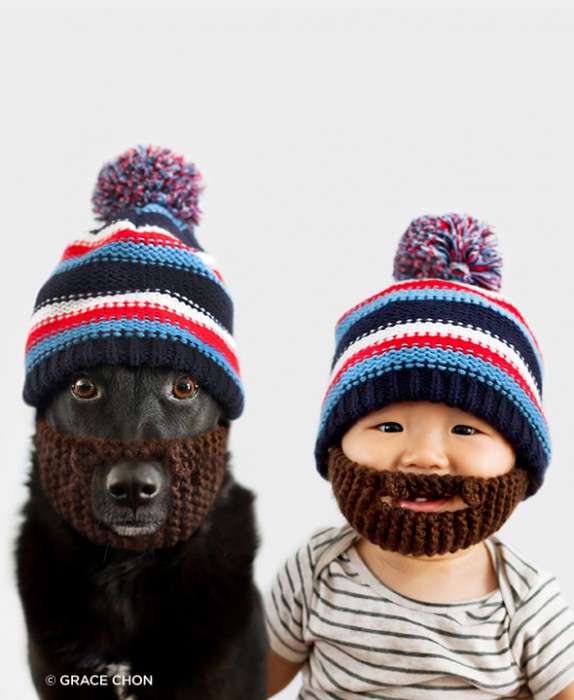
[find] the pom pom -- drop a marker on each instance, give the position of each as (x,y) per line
(145,175)
(449,247)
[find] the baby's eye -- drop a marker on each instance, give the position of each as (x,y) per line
(390,427)
(464,430)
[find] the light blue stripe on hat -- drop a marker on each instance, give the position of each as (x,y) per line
(125,328)
(464,296)
(142,254)
(443,360)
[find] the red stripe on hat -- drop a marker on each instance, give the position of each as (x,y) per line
(444,284)
(142,311)
(78,248)
(436,341)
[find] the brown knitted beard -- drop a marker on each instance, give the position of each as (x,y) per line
(196,466)
(359,491)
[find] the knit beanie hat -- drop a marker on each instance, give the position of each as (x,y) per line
(442,333)
(140,290)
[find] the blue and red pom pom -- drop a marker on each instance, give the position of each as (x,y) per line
(449,247)
(146,175)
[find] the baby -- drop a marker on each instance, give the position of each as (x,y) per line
(431,433)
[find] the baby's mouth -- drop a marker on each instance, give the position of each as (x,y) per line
(425,504)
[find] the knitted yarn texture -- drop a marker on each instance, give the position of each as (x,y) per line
(441,334)
(359,491)
(196,466)
(138,291)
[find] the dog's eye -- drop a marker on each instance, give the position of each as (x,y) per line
(184,388)
(84,388)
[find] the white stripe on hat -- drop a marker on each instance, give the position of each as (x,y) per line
(422,328)
(70,307)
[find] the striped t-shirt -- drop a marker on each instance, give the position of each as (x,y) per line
(360,639)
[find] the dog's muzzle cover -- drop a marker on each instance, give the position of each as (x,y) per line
(196,467)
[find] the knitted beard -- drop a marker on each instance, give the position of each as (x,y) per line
(359,492)
(196,467)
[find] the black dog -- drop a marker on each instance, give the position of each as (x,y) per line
(182,622)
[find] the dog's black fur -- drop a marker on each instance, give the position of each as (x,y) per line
(189,616)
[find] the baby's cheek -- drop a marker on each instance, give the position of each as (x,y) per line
(486,468)
(367,451)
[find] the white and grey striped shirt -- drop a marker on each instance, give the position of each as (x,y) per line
(362,640)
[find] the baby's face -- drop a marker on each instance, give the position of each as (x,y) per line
(428,438)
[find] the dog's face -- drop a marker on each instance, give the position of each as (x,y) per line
(123,403)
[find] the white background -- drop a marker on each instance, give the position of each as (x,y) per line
(321,131)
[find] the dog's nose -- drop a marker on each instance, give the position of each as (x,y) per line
(134,484)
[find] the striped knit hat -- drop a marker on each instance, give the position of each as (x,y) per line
(140,290)
(442,334)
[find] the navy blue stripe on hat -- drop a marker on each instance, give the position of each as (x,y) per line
(140,290)
(481,318)
(118,277)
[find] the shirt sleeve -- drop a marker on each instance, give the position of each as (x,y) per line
(287,607)
(544,630)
